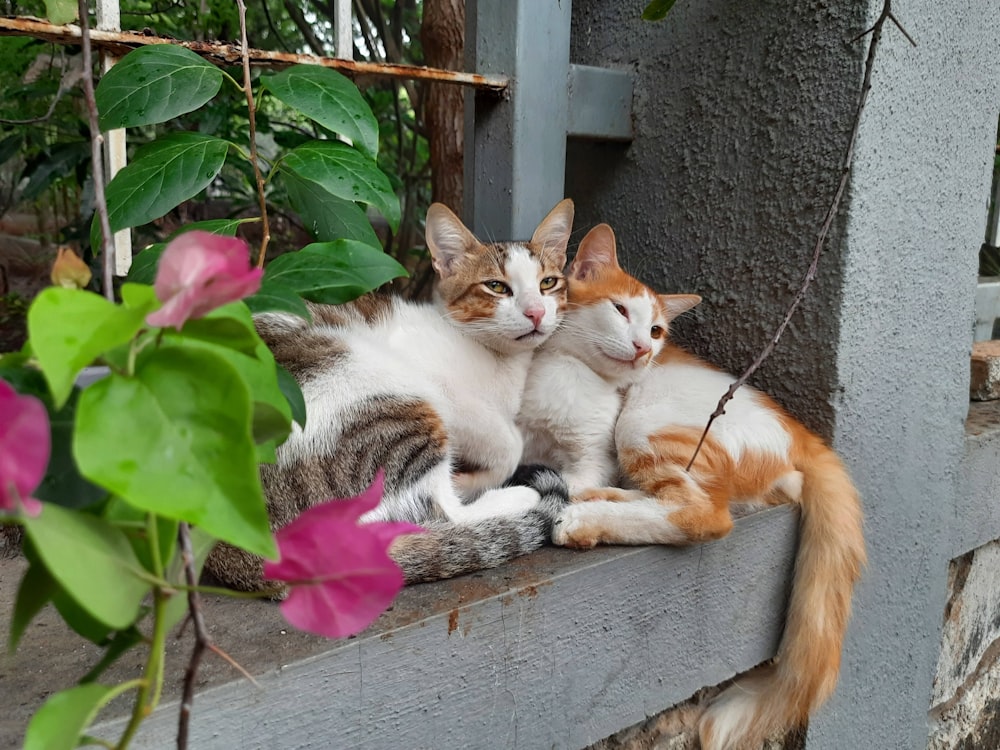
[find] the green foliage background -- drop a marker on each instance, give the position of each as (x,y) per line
(45,163)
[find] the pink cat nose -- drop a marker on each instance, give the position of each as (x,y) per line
(641,349)
(536,313)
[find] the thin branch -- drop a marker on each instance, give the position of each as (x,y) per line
(121,43)
(97,155)
(201,637)
(252,113)
(305,28)
(876,32)
(66,82)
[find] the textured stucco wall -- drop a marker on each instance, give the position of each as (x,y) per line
(742,111)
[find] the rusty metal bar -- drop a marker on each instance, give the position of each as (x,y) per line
(121,42)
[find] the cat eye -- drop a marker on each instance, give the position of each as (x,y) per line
(656,332)
(497,287)
(547,283)
(621,310)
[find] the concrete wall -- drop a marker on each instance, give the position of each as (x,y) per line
(742,112)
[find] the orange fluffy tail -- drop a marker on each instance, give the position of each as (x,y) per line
(781,695)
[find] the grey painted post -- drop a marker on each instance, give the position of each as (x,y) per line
(742,115)
(515,154)
(921,179)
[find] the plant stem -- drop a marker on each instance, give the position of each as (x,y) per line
(97,156)
(152,686)
(251,112)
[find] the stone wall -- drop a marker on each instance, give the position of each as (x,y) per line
(965,713)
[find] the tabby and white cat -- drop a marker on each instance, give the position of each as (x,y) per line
(613,328)
(754,453)
(429,393)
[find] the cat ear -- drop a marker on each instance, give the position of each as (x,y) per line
(678,304)
(597,251)
(552,235)
(447,238)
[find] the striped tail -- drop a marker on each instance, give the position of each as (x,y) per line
(781,695)
(449,549)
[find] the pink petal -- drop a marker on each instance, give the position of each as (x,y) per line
(339,571)
(199,272)
(358,585)
(25,444)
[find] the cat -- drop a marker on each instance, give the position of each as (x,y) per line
(428,392)
(755,453)
(612,329)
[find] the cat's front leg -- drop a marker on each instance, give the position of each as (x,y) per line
(486,460)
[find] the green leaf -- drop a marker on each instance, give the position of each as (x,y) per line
(222,227)
(163,174)
(61,161)
(191,455)
(274,296)
(154,84)
(326,96)
(11,146)
(60,12)
(60,722)
(341,171)
(657,10)
(334,272)
(145,263)
(258,372)
(63,484)
(132,521)
(35,591)
(223,327)
(119,644)
(326,216)
(293,394)
(91,560)
(81,621)
(268,423)
(70,328)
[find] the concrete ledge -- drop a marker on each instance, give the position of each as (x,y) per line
(977,506)
(558,649)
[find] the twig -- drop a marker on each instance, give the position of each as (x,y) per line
(65,84)
(201,638)
(221,53)
(876,32)
(97,156)
(251,112)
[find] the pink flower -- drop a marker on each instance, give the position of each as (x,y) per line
(339,571)
(198,272)
(25,443)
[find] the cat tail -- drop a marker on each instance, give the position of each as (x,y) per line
(450,548)
(782,694)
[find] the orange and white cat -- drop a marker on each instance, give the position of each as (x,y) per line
(754,453)
(611,330)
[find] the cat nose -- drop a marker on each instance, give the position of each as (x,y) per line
(536,313)
(641,348)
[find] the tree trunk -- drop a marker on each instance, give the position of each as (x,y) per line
(442,34)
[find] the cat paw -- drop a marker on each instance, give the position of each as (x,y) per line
(572,530)
(548,483)
(610,494)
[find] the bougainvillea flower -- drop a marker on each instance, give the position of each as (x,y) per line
(25,443)
(69,271)
(339,572)
(198,272)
